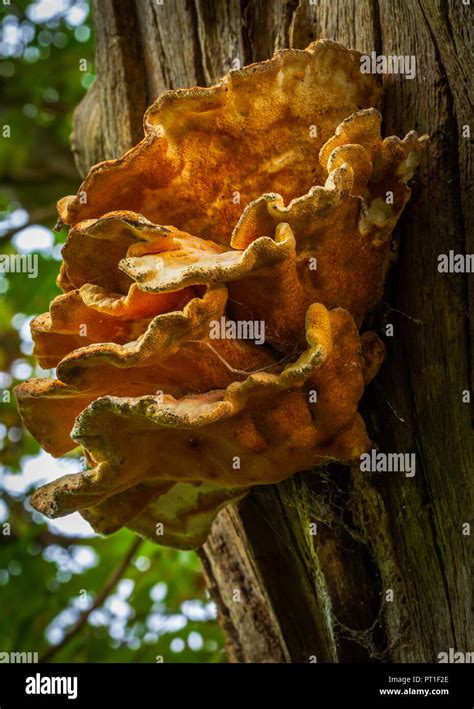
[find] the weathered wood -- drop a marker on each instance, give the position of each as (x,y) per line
(245,613)
(324,596)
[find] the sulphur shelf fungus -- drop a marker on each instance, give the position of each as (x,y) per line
(214,280)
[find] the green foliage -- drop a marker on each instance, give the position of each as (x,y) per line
(159,607)
(42,575)
(41,84)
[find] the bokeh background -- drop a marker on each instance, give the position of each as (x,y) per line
(66,593)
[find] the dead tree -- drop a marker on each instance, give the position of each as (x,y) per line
(387,576)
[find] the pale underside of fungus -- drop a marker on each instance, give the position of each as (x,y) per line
(266,201)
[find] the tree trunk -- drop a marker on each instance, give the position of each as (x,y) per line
(387,576)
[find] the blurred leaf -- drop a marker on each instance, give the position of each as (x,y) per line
(40,86)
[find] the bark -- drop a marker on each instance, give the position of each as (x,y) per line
(285,594)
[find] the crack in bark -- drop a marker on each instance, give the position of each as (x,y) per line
(423,477)
(455,161)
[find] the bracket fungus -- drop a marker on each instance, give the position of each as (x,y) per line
(269,198)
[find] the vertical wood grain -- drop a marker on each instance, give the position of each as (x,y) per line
(324,596)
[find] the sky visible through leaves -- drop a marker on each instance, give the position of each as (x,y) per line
(54,574)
